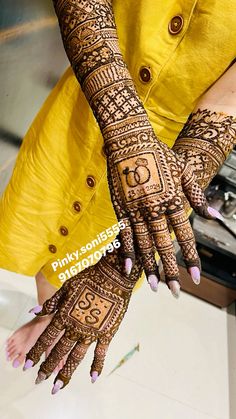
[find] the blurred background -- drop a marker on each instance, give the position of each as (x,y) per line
(185,367)
(32,60)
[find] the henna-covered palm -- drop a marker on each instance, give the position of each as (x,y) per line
(88,308)
(144,175)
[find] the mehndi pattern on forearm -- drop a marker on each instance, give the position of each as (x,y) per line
(144,175)
(205,142)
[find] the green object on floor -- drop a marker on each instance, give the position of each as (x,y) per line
(126,358)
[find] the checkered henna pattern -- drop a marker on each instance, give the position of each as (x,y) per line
(144,175)
(88,308)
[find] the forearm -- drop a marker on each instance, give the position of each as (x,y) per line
(209,135)
(90,39)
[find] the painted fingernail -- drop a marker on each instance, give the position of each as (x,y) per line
(153,282)
(28,364)
(16,363)
(195,274)
(94,376)
(35,309)
(7,355)
(41,377)
(214,213)
(57,386)
(128,265)
(175,288)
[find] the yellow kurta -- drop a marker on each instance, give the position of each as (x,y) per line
(59,183)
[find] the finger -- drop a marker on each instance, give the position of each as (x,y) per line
(98,360)
(127,242)
(215,214)
(62,348)
(126,234)
(44,341)
(146,251)
(74,359)
(50,305)
(185,237)
(162,239)
(195,195)
(175,288)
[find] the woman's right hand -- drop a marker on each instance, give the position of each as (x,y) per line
(145,179)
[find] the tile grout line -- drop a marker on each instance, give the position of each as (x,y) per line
(168,397)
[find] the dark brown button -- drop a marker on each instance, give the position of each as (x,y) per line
(63,230)
(52,248)
(145,74)
(176,24)
(77,206)
(90,181)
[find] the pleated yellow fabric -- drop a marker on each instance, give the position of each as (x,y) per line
(58,199)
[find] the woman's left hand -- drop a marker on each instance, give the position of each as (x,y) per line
(88,308)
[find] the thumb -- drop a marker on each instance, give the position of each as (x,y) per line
(50,305)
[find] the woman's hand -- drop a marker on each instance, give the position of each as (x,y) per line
(145,179)
(143,174)
(88,308)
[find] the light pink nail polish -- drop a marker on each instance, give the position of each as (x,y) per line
(28,364)
(128,265)
(7,355)
(195,274)
(16,363)
(94,376)
(57,386)
(214,213)
(35,310)
(153,282)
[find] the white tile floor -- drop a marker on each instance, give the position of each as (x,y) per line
(181,371)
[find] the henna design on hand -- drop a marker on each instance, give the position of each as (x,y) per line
(205,142)
(88,308)
(144,175)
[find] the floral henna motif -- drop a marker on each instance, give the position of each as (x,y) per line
(89,307)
